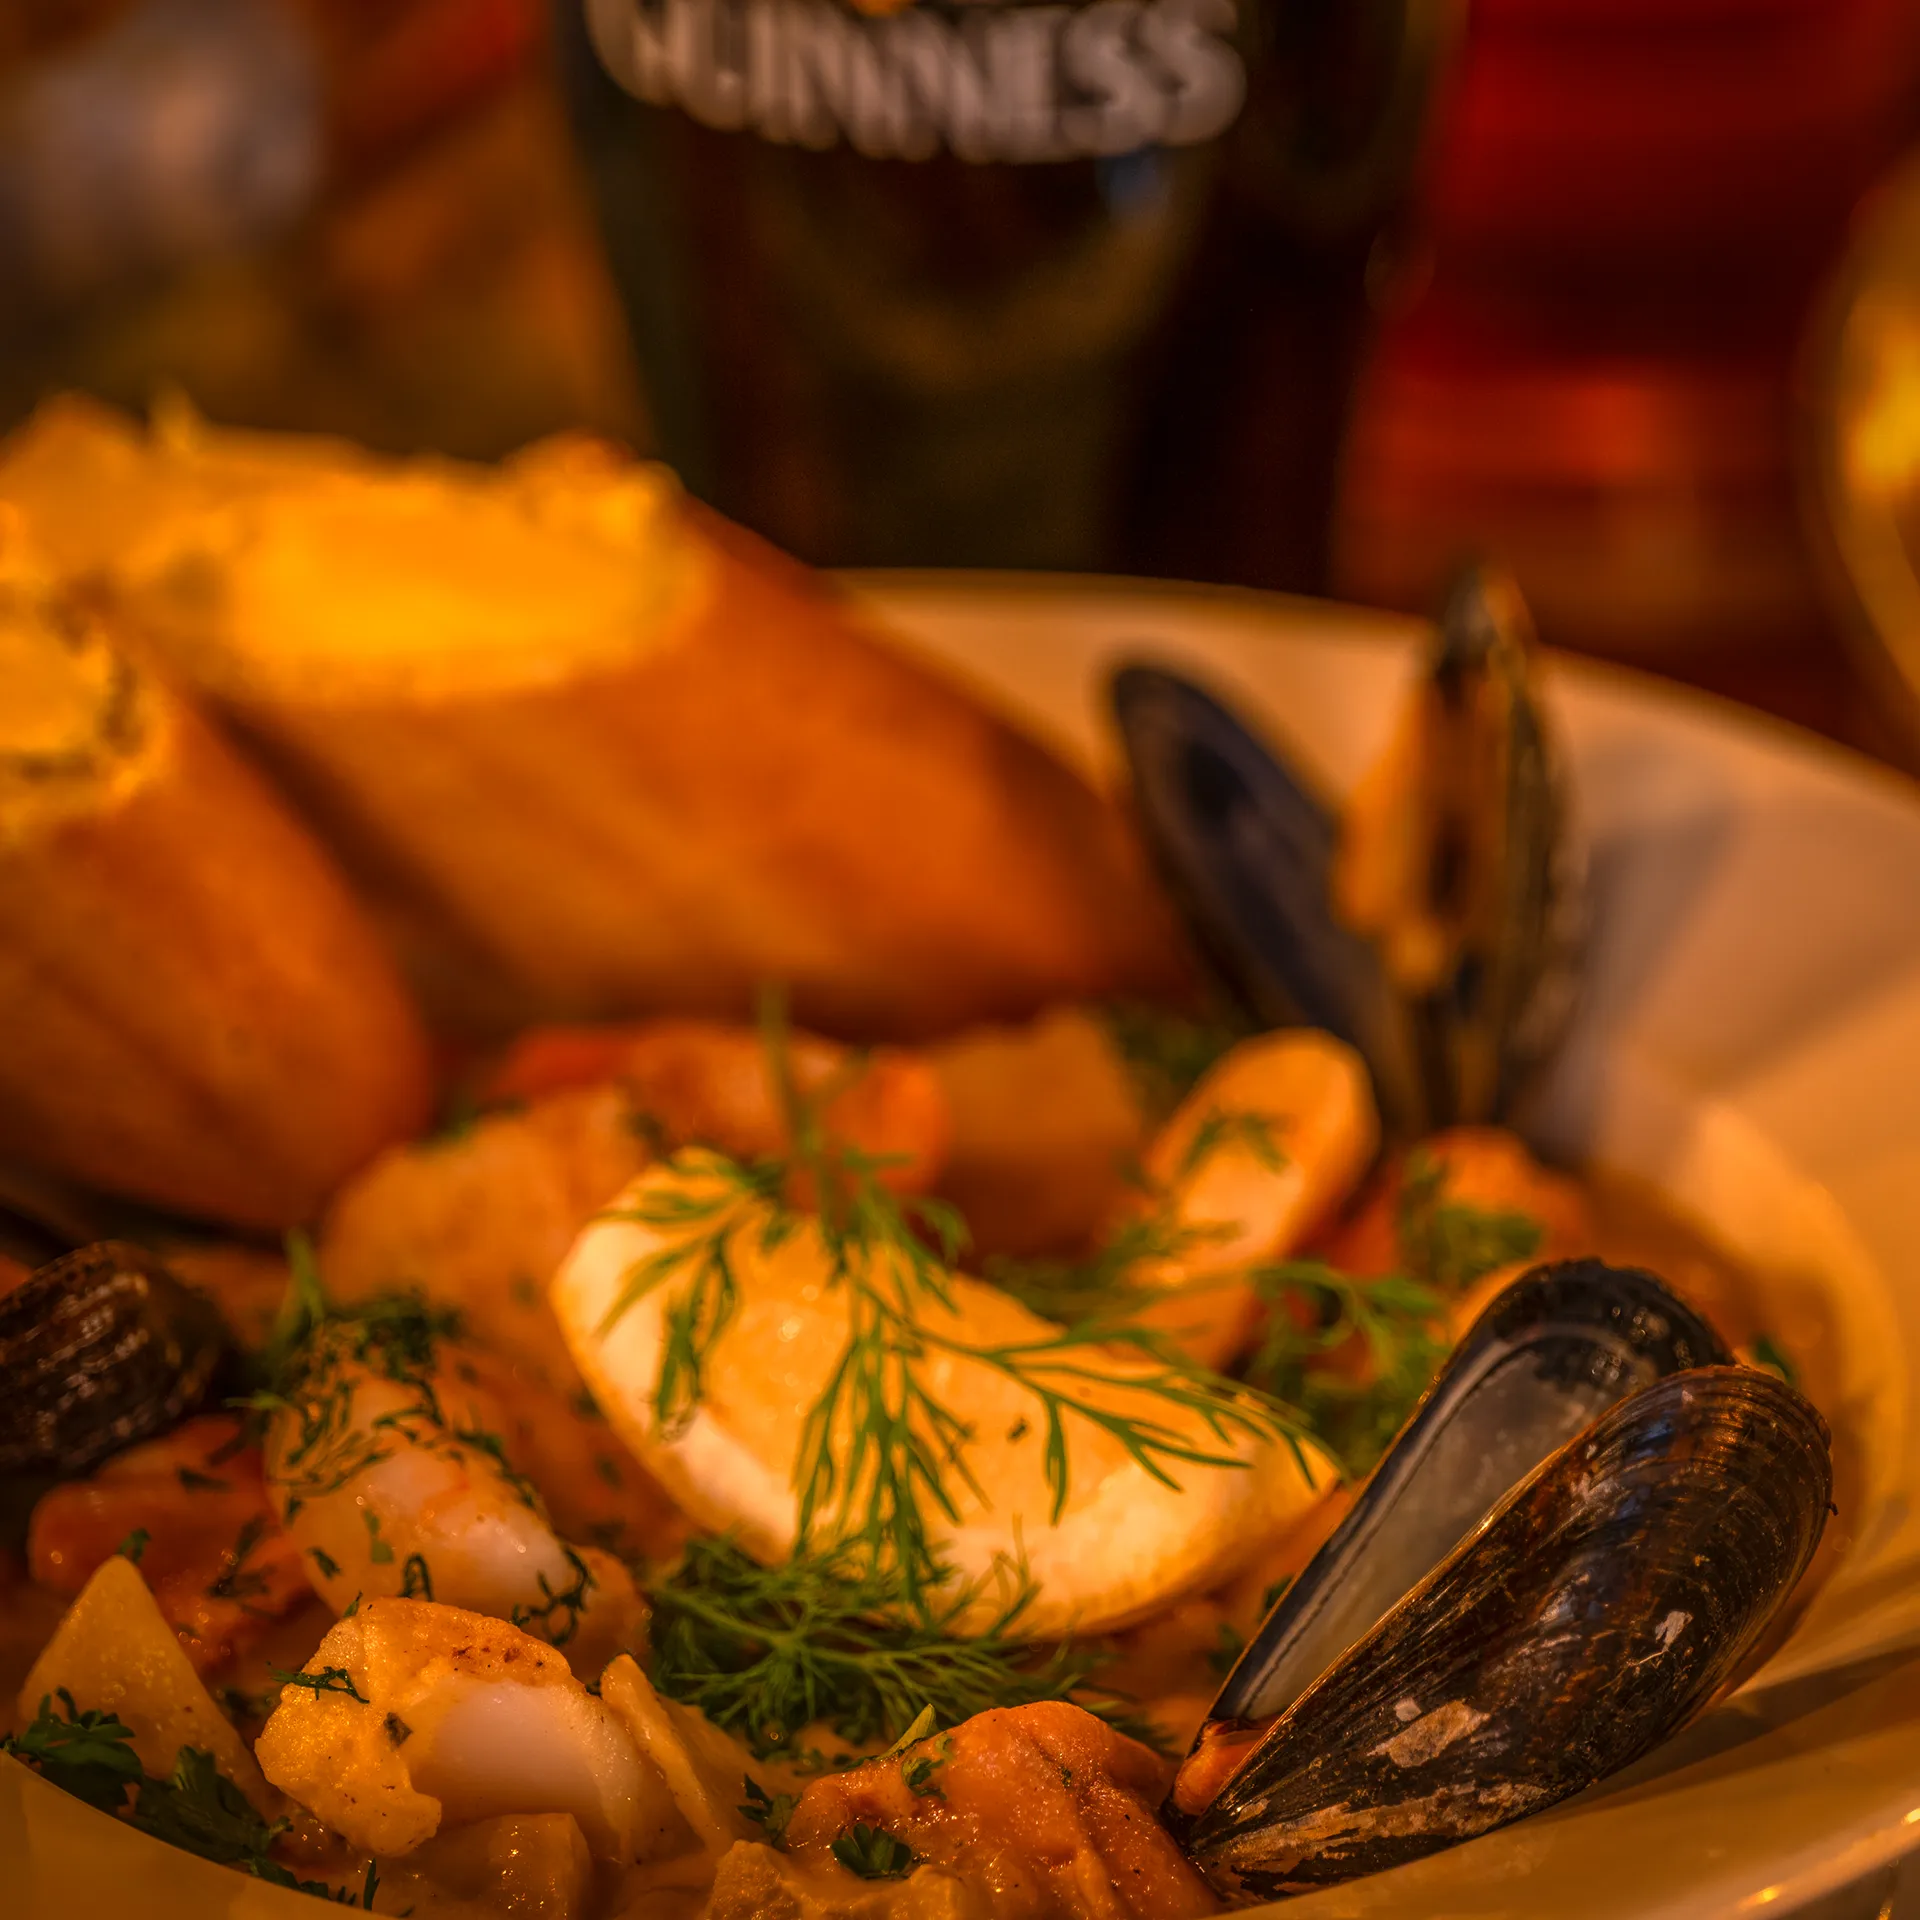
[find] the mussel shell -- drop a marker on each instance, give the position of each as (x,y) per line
(1247,853)
(1596,1610)
(1548,1354)
(1263,871)
(1483,1032)
(98,1349)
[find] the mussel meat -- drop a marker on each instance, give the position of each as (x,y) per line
(1551,1352)
(98,1349)
(1435,925)
(1597,1608)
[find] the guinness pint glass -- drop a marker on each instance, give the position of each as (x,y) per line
(982,283)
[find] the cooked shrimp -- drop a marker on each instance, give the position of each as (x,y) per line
(415,1716)
(1271,1140)
(213,1551)
(709,1083)
(390,1474)
(1040,1812)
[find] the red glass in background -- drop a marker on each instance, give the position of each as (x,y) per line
(1586,360)
(403,71)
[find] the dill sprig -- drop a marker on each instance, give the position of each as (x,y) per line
(1223,1127)
(1444,1246)
(1108,1283)
(882,1458)
(767,1652)
(702,1222)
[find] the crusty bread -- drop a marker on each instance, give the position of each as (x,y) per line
(593,750)
(193,1009)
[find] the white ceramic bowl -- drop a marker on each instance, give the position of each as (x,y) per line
(1749,1040)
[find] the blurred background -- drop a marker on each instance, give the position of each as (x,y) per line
(1364,285)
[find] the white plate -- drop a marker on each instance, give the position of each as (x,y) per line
(1750,1040)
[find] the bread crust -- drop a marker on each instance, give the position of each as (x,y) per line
(763,791)
(193,1009)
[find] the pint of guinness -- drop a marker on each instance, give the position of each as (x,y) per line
(979,283)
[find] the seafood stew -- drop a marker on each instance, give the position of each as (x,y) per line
(539,1575)
(732,1466)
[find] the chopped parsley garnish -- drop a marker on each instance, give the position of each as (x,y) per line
(557,1618)
(327,1680)
(134,1545)
(237,1580)
(416,1578)
(86,1753)
(1770,1355)
(197,1808)
(1450,1244)
(872,1853)
(769,1810)
(1164,1052)
(917,1770)
(379,1551)
(310,1368)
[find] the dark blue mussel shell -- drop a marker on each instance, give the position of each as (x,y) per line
(1248,853)
(1574,1542)
(1551,1353)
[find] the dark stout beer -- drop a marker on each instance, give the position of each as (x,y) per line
(985,284)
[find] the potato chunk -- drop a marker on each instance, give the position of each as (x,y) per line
(115,1653)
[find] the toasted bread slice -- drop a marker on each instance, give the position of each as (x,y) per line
(599,752)
(193,1009)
